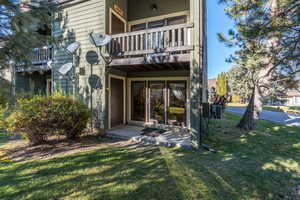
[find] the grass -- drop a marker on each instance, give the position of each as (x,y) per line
(286,109)
(262,164)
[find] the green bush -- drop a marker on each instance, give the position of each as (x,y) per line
(2,118)
(42,116)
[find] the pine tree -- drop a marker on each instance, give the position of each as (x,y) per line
(268,37)
(24,26)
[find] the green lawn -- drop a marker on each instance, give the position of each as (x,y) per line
(262,164)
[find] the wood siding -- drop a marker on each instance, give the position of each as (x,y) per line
(79,19)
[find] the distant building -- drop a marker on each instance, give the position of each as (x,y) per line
(212,83)
(292,98)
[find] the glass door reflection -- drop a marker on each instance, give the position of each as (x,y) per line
(157,101)
(177,103)
(138,98)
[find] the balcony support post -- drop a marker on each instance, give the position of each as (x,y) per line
(197,71)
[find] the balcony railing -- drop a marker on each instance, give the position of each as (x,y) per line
(39,62)
(174,39)
(43,55)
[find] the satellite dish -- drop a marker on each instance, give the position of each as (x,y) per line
(49,63)
(65,68)
(99,39)
(92,57)
(95,82)
(73,47)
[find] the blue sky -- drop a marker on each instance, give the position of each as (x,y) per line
(217,21)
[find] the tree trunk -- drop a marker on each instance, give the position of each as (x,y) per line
(253,111)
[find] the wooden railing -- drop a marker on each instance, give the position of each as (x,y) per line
(173,39)
(43,55)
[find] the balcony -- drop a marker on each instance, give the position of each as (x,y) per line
(169,44)
(39,61)
(43,55)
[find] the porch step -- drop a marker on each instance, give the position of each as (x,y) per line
(167,139)
(159,141)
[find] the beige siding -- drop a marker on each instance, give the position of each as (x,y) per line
(79,20)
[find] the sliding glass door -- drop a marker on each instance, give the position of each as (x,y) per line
(161,102)
(157,101)
(138,101)
(177,103)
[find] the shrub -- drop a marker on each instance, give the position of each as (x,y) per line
(42,116)
(2,118)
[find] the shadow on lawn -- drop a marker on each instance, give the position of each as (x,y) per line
(262,164)
(55,147)
(108,173)
(3,138)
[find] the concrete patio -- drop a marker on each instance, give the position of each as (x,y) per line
(169,138)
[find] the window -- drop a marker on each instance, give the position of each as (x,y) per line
(138,27)
(160,23)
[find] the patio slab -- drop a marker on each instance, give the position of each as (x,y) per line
(169,138)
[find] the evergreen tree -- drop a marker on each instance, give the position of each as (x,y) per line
(23,27)
(222,85)
(238,82)
(268,37)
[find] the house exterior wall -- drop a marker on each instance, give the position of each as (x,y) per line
(79,19)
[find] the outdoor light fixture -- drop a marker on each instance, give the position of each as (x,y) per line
(154,7)
(100,40)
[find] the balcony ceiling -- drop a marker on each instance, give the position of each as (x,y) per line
(183,66)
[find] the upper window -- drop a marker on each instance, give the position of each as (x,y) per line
(159,23)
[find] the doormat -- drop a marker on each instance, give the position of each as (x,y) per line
(152,132)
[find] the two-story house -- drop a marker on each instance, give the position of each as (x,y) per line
(158,69)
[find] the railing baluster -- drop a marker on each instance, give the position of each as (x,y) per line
(151,41)
(119,45)
(123,44)
(185,36)
(180,37)
(137,42)
(146,41)
(142,41)
(132,43)
(161,41)
(173,38)
(156,44)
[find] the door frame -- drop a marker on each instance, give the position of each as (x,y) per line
(109,98)
(111,13)
(128,104)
